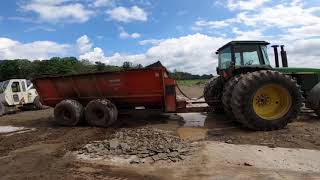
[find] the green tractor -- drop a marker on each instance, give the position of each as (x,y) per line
(258,96)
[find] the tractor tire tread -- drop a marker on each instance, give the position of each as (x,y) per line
(241,99)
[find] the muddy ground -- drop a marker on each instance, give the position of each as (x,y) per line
(44,152)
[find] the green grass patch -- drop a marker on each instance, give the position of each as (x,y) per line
(192,82)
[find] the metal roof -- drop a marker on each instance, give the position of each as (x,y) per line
(243,42)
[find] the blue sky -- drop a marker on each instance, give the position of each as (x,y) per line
(183,34)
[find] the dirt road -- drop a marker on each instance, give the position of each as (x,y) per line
(43,150)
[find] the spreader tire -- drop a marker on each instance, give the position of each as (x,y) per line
(101,113)
(2,109)
(266,100)
(213,92)
(68,113)
(227,95)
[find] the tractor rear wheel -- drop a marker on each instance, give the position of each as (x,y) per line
(101,113)
(213,92)
(68,113)
(227,95)
(3,109)
(266,100)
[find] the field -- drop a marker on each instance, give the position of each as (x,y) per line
(190,83)
(226,150)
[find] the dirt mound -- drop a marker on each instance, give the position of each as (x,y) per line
(143,145)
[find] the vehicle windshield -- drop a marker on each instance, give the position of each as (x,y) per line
(247,55)
(225,58)
(29,84)
(3,85)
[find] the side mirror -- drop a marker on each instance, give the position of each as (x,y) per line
(217,52)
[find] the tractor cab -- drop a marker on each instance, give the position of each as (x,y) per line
(242,56)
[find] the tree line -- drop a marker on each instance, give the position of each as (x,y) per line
(26,69)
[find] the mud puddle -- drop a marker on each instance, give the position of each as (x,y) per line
(194,126)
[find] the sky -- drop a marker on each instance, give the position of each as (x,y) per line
(182,34)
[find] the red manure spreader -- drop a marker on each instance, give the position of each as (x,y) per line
(98,98)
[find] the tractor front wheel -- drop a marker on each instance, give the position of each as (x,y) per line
(213,92)
(227,95)
(266,100)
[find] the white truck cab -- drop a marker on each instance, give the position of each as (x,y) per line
(16,93)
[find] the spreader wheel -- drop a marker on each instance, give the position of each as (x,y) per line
(101,113)
(68,113)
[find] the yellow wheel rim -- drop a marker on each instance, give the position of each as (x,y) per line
(272,102)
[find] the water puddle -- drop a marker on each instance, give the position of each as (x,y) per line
(192,126)
(193,119)
(11,130)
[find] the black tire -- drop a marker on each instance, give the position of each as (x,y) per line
(3,109)
(227,95)
(101,113)
(68,113)
(243,97)
(213,92)
(37,103)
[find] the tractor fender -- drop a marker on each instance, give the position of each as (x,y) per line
(314,97)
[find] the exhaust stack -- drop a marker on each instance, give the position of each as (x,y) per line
(276,55)
(284,57)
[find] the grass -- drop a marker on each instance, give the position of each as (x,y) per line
(189,83)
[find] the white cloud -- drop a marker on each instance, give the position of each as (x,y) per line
(11,49)
(150,42)
(198,25)
(248,35)
(286,15)
(40,28)
(102,3)
(245,4)
(95,55)
(303,32)
(124,14)
(125,35)
(282,16)
(192,53)
(83,44)
(54,11)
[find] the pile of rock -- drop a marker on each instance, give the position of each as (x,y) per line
(143,145)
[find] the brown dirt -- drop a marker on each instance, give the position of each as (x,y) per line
(43,153)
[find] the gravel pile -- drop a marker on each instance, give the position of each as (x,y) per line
(143,145)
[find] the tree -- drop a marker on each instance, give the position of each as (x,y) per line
(127,65)
(23,68)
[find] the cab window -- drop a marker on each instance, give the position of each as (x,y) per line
(3,85)
(23,86)
(247,55)
(265,55)
(15,86)
(225,58)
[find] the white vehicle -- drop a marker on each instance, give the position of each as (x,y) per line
(17,93)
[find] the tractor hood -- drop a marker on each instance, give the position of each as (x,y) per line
(290,70)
